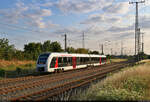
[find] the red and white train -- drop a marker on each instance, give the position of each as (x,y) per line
(51,62)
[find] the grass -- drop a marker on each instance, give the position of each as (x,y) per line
(132,83)
(12,65)
(115,60)
(16,68)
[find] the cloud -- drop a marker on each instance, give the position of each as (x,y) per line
(86,6)
(81,6)
(68,30)
(117,8)
(101,19)
(15,14)
(47,4)
(35,18)
(120,29)
(144,22)
(30,15)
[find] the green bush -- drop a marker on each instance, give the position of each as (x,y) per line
(135,84)
(28,65)
(11,66)
(18,70)
(2,72)
(117,94)
(130,89)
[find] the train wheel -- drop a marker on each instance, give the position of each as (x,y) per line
(54,70)
(58,70)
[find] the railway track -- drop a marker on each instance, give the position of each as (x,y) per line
(12,81)
(42,87)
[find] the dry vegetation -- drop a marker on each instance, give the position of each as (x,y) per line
(12,65)
(132,83)
(14,62)
(118,60)
(115,60)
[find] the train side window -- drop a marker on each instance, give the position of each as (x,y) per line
(78,61)
(60,62)
(97,60)
(92,59)
(84,60)
(88,60)
(103,59)
(64,61)
(52,64)
(81,60)
(69,61)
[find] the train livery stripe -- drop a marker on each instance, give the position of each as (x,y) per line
(74,62)
(100,61)
(56,64)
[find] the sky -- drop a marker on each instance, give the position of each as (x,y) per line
(107,22)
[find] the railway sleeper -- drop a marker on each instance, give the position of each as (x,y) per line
(103,72)
(71,85)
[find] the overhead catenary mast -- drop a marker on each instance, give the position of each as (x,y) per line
(121,48)
(101,48)
(65,42)
(142,42)
(83,45)
(137,30)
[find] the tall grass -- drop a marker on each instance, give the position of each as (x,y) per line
(109,61)
(12,65)
(132,83)
(16,68)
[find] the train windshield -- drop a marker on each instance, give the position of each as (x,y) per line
(43,58)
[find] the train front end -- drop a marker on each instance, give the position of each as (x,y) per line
(42,61)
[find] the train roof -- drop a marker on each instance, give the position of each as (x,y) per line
(74,54)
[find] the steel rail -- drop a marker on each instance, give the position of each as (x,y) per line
(60,86)
(6,90)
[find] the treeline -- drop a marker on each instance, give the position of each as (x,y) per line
(33,50)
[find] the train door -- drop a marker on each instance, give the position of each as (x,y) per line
(56,64)
(74,62)
(100,60)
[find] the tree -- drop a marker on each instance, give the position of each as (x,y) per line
(70,50)
(32,50)
(56,47)
(82,51)
(94,52)
(46,47)
(6,50)
(19,55)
